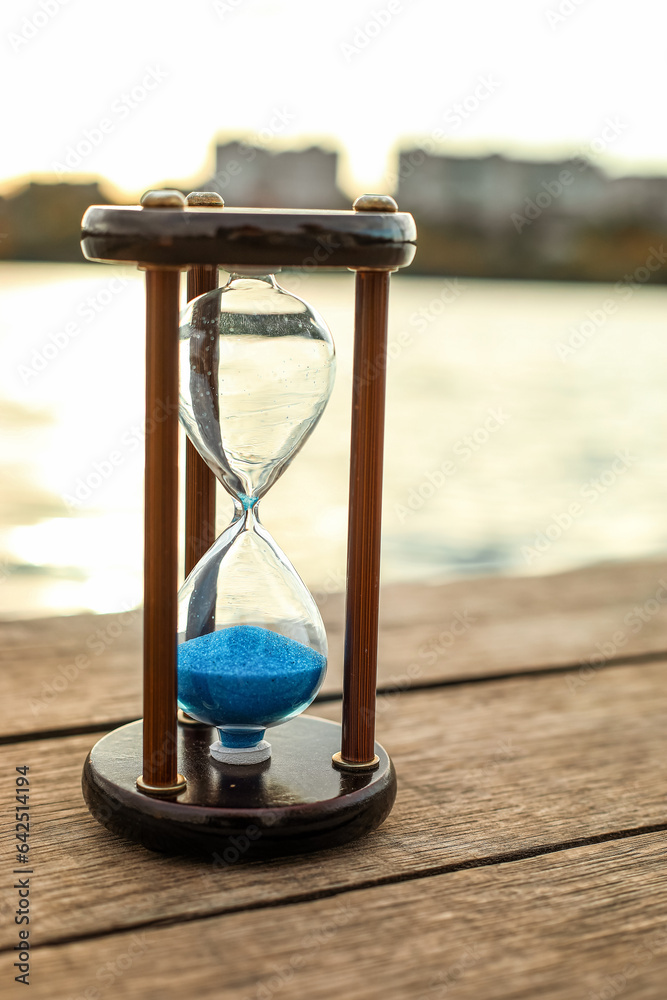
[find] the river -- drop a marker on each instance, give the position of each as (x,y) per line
(526,433)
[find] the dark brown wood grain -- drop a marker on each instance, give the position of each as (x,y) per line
(444,899)
(486,772)
(589,923)
(161,527)
(365,516)
(86,669)
(201,279)
(297,802)
(240,236)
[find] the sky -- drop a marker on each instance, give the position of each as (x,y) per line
(136,90)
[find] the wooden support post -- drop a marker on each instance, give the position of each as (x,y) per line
(160,767)
(364,521)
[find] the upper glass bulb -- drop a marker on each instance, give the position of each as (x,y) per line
(257,369)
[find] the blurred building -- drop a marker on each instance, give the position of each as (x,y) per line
(43,221)
(489,190)
(487,216)
(254,177)
(494,216)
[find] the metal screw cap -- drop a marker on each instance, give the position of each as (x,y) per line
(210,198)
(375,203)
(163,199)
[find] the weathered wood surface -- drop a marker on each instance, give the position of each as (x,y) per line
(525,856)
(486,771)
(86,670)
(573,924)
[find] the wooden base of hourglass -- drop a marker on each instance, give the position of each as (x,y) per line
(294,803)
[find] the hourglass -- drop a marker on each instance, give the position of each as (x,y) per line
(257,369)
(224,754)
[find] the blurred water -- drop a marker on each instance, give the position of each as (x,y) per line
(504,452)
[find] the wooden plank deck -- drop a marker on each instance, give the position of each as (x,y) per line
(525,856)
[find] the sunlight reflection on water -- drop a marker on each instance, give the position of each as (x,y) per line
(492,438)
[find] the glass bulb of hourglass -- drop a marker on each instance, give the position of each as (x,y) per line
(257,369)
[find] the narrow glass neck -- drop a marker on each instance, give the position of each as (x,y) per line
(254,274)
(246,507)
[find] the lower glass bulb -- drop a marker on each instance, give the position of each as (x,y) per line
(252,648)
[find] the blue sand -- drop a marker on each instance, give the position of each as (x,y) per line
(244,678)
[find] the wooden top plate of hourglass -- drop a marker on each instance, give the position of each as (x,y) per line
(278,237)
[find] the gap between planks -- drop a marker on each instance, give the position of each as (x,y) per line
(497,772)
(636,659)
(377,883)
(86,670)
(520,930)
